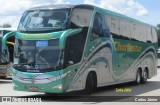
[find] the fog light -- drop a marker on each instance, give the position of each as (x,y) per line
(60,87)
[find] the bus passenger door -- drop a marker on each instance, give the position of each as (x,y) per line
(73,56)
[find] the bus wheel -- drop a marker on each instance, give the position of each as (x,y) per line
(138,78)
(144,77)
(89,84)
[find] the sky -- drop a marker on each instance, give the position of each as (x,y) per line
(147,11)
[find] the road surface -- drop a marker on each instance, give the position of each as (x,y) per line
(151,88)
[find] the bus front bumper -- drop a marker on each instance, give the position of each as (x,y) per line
(46,83)
(45,88)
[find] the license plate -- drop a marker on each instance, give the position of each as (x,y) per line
(33,88)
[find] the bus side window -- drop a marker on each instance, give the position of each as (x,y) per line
(149,37)
(100,28)
(154,33)
(134,31)
(124,29)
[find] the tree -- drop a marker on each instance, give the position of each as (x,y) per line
(6,25)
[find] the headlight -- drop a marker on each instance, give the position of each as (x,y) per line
(58,86)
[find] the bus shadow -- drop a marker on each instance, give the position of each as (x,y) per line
(102,94)
(5,82)
(135,89)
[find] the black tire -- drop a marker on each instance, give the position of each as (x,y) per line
(52,94)
(48,94)
(144,77)
(89,84)
(138,78)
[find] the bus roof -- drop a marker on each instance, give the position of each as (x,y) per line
(8,29)
(60,6)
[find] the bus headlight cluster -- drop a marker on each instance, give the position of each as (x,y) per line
(55,78)
(58,86)
(22,78)
(38,78)
(58,77)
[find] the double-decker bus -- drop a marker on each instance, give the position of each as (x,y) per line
(64,48)
(7,59)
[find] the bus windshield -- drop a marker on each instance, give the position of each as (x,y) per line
(44,20)
(37,54)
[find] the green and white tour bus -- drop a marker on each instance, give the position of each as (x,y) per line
(7,59)
(64,48)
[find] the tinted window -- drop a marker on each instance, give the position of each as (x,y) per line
(154,34)
(81,18)
(74,49)
(100,28)
(124,29)
(44,20)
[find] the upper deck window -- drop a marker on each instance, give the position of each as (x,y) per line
(44,20)
(81,17)
(100,27)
